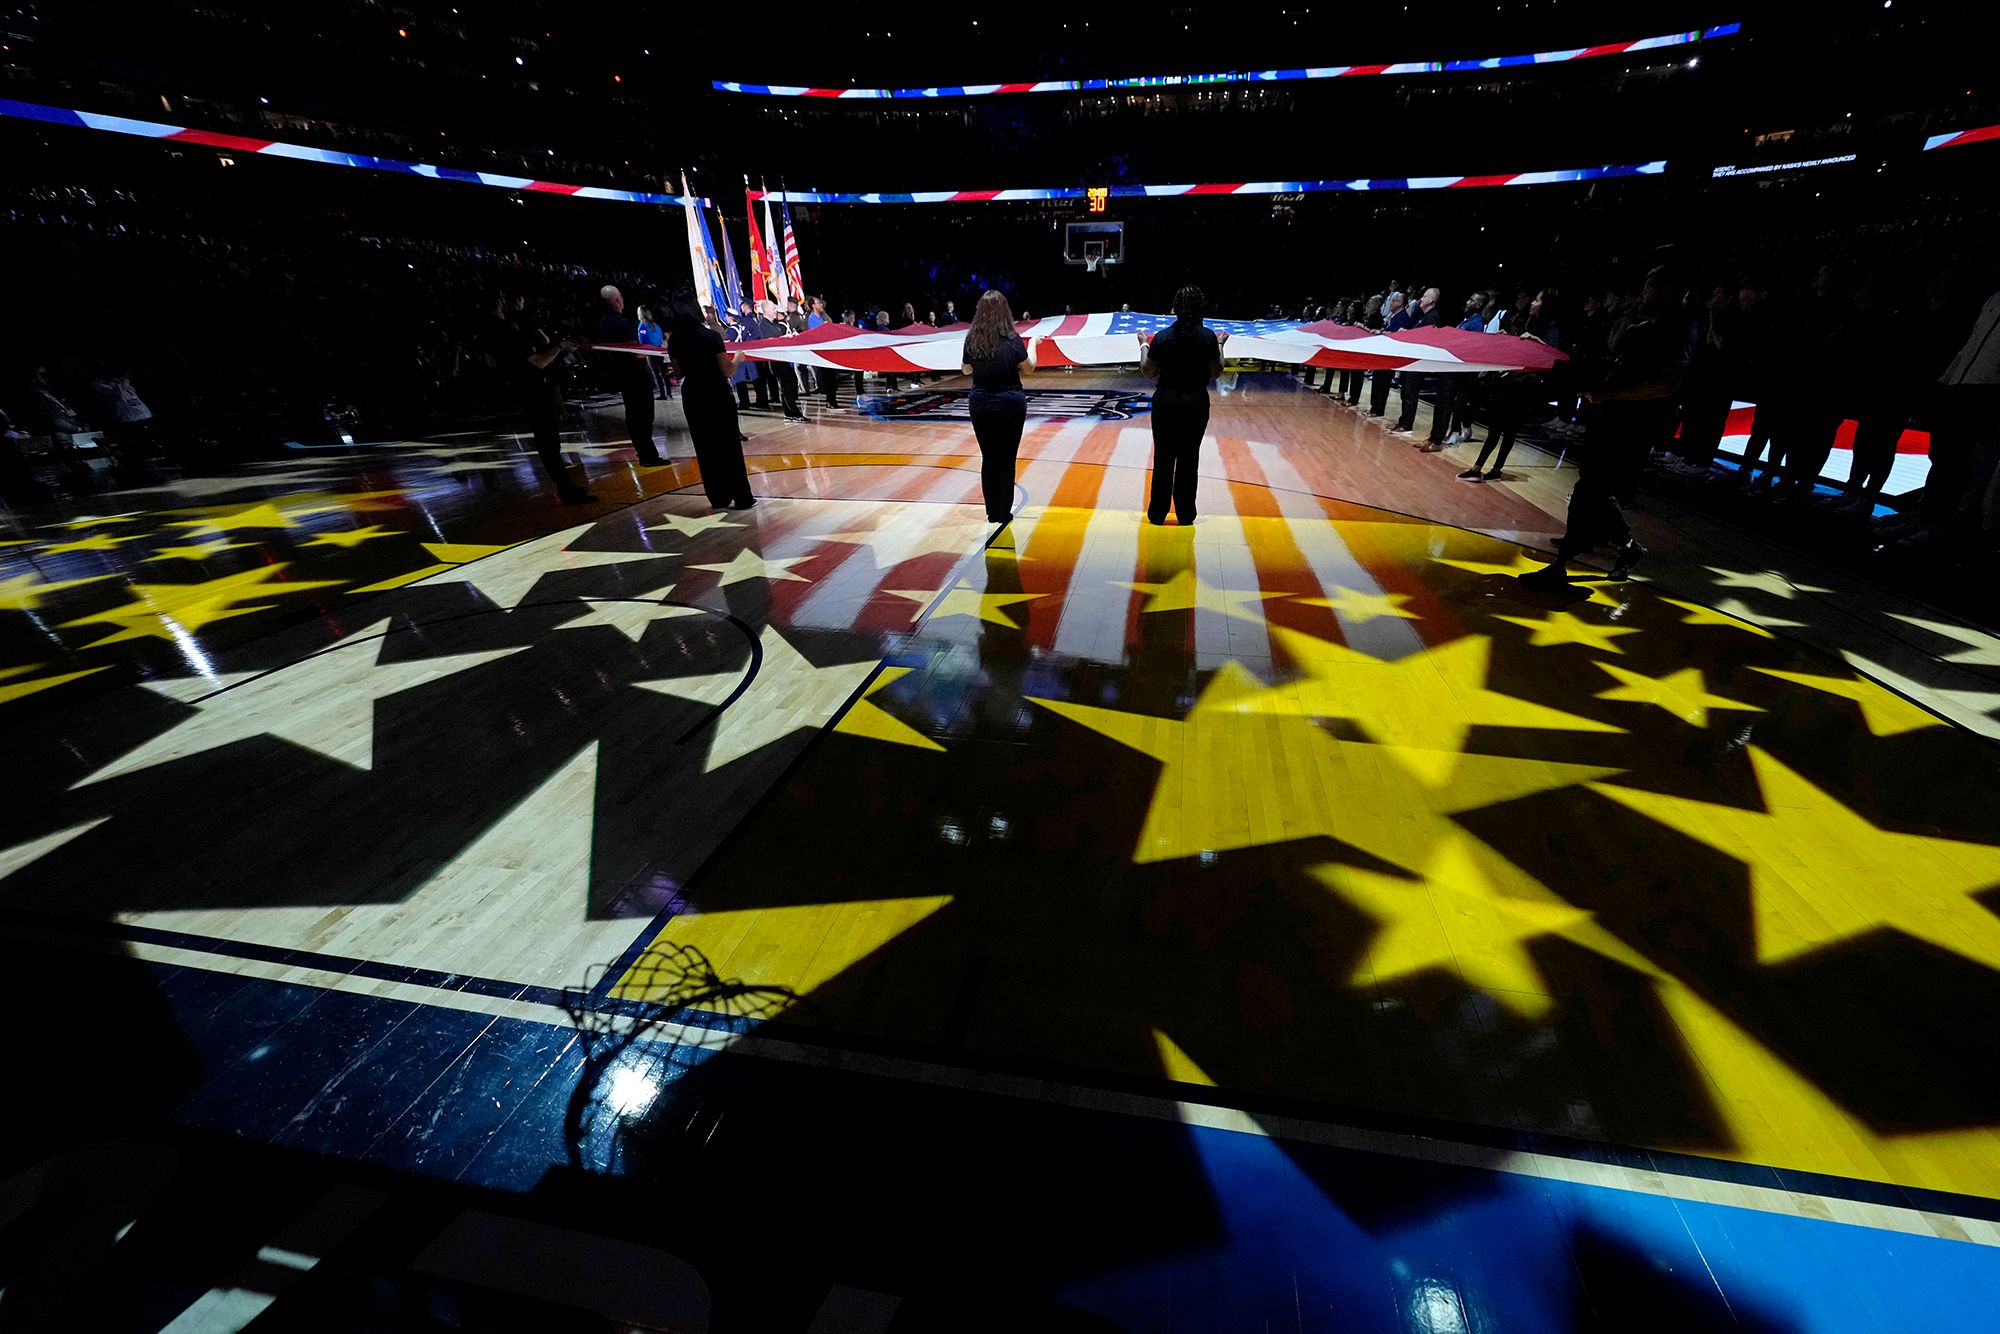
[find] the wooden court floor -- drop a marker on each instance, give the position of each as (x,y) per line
(1309,799)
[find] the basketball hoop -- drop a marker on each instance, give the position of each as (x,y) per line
(1090,263)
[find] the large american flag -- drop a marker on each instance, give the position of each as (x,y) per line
(1110,339)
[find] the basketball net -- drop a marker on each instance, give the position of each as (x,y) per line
(1090,263)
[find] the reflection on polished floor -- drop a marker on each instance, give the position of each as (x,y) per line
(1338,925)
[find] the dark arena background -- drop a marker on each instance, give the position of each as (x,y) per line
(850,669)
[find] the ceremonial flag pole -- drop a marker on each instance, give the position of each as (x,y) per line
(759,262)
(794,279)
(707,277)
(780,287)
(732,277)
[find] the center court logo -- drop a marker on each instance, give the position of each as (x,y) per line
(1059,404)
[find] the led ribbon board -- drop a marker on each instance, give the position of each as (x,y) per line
(1984,134)
(1230,188)
(1663,42)
(148,129)
(181,134)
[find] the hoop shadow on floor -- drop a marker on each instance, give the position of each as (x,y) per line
(637,1050)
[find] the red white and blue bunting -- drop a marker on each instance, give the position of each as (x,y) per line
(1638,44)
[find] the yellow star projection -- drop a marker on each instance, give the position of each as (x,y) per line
(1700,615)
(871,720)
(1525,564)
(1564,627)
(1351,604)
(24,592)
(1471,912)
(11,689)
(350,537)
(1820,874)
(266,515)
(197,550)
(1221,786)
(965,600)
(1187,592)
(1886,713)
(165,611)
(95,542)
(1684,693)
(1427,702)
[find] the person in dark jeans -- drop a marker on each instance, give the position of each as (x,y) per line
(1183,358)
(532,359)
(705,366)
(775,374)
(1369,317)
(1825,348)
(993,357)
(1649,359)
(1395,318)
(1425,316)
(1705,404)
(629,373)
(1454,393)
(1515,394)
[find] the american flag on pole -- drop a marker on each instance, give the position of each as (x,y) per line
(793,278)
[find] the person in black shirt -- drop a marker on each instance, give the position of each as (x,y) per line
(705,366)
(1635,413)
(993,357)
(530,362)
(1183,357)
(634,381)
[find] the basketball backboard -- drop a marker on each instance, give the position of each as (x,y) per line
(1101,241)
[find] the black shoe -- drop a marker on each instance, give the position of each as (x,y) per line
(1471,475)
(1000,518)
(1629,555)
(1159,522)
(1549,577)
(651,461)
(744,504)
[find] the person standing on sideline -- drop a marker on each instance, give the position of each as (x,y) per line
(531,361)
(1453,398)
(1513,390)
(770,323)
(827,376)
(629,373)
(705,366)
(1423,317)
(1183,357)
(1393,317)
(650,335)
(1635,412)
(993,357)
